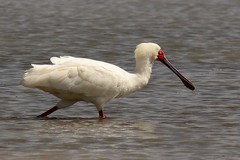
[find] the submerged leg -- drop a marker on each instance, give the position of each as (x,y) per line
(61,104)
(45,114)
(100,111)
(101,114)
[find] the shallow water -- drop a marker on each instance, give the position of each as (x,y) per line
(163,121)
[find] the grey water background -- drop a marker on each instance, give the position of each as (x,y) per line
(165,120)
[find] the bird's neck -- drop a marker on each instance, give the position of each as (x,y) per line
(143,70)
(142,74)
(137,80)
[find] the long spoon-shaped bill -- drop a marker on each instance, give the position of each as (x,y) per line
(163,59)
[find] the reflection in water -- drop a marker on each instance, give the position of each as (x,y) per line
(79,134)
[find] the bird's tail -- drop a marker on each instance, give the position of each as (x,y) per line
(36,75)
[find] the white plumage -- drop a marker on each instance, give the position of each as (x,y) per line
(80,79)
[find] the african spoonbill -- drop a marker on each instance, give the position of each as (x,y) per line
(80,79)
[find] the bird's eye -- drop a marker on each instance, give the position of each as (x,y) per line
(160,51)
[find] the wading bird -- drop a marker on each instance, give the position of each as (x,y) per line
(80,79)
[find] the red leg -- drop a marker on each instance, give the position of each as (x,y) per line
(101,114)
(45,114)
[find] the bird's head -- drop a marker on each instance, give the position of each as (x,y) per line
(151,52)
(147,51)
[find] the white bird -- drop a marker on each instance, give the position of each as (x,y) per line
(80,79)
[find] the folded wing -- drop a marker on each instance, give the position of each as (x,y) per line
(77,78)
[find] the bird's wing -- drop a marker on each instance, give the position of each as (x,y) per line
(81,76)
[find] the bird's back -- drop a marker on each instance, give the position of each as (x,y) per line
(77,79)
